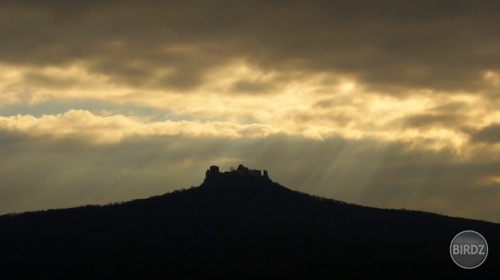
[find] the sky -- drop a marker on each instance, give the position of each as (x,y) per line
(392,104)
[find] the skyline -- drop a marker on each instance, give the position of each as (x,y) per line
(393,105)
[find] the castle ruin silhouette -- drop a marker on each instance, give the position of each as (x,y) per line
(214,176)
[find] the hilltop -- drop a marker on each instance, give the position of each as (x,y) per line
(237,224)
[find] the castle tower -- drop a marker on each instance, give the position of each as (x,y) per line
(266,176)
(212,173)
(214,169)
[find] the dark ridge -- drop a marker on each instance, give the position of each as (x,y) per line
(236,225)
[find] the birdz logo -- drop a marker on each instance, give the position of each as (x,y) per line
(469,249)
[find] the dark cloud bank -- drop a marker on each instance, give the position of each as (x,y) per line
(387,45)
(489,134)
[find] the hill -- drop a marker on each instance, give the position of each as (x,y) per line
(236,225)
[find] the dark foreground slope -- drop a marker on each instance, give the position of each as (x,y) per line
(239,228)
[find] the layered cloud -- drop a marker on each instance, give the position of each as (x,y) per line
(392,104)
(175,44)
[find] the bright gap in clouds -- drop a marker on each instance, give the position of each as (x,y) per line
(312,106)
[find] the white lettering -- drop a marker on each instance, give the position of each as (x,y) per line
(474,249)
(466,249)
(481,250)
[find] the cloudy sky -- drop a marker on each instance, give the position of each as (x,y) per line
(392,104)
